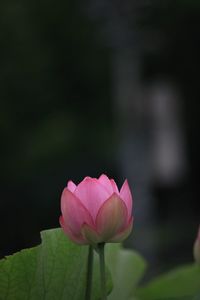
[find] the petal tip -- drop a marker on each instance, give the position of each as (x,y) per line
(71,186)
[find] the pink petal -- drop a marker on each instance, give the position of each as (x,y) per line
(92,194)
(114,186)
(90,235)
(103,179)
(74,212)
(78,239)
(111,218)
(125,195)
(71,186)
(123,234)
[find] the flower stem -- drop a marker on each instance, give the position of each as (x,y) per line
(102,271)
(89,274)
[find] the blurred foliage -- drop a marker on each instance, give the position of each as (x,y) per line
(127,268)
(180,283)
(56,269)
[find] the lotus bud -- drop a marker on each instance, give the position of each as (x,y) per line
(95,211)
(197,248)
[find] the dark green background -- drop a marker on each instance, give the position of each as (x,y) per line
(56,116)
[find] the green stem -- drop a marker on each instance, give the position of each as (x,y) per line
(102,271)
(89,274)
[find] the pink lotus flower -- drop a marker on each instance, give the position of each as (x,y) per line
(95,211)
(197,248)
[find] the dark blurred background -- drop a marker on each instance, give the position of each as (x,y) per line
(91,87)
